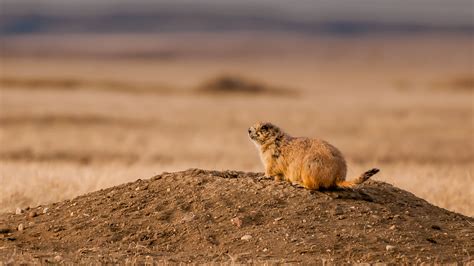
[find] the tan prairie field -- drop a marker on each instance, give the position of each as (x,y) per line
(80,113)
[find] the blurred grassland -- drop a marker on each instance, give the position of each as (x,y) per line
(74,118)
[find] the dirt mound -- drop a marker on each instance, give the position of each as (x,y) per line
(210,216)
(228,84)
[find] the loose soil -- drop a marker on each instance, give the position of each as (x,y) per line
(236,217)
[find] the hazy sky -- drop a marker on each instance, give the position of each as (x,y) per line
(432,12)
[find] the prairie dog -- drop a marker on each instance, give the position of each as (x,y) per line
(311,163)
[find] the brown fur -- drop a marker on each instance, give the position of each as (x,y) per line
(311,163)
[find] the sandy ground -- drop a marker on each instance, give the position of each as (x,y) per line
(76,116)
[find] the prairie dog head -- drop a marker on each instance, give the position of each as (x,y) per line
(264,133)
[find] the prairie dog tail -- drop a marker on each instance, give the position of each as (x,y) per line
(358,180)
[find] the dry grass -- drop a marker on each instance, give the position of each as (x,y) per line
(59,143)
(458,83)
(69,84)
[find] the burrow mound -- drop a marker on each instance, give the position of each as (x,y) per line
(211,216)
(231,84)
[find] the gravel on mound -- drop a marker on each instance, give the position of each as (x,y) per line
(211,216)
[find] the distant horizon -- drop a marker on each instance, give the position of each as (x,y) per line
(354,17)
(344,17)
(426,12)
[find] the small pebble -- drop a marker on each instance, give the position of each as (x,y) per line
(58,258)
(236,221)
(188,217)
(389,247)
(392,227)
(32,214)
(246,237)
(21,227)
(18,211)
(45,210)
